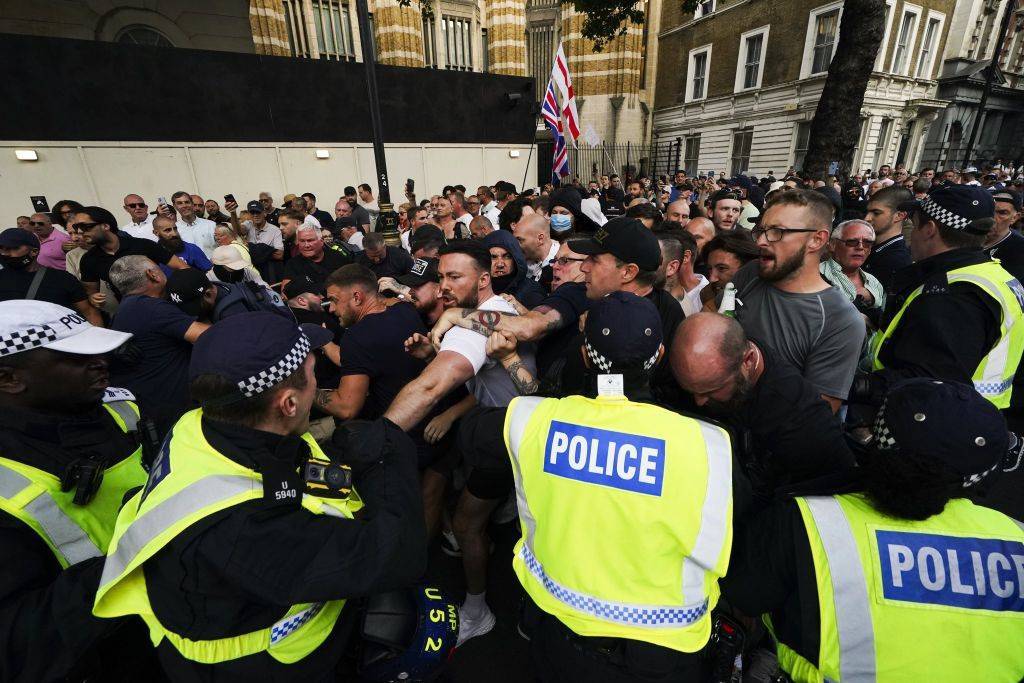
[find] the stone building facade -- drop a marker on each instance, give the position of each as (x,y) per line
(738,82)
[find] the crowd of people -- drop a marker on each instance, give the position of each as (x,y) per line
(231,432)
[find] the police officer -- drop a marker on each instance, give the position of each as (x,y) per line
(953,312)
(245,547)
(69,451)
(907,580)
(626,589)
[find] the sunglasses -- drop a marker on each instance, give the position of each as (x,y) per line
(38,223)
(867,244)
(82,227)
(137,205)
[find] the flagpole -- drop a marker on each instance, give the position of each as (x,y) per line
(529,156)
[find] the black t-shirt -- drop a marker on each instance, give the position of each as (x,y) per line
(301,268)
(327,373)
(886,258)
(397,261)
(158,373)
(375,347)
(325,219)
(570,300)
(57,286)
(663,384)
(1010,253)
(96,263)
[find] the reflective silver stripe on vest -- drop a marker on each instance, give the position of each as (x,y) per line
(125,412)
(714,522)
(198,495)
(992,383)
(648,616)
(70,540)
(849,590)
(522,408)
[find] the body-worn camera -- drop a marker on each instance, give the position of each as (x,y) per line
(327,479)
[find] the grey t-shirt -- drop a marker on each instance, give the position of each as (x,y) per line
(820,333)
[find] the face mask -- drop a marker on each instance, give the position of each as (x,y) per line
(560,222)
(16,262)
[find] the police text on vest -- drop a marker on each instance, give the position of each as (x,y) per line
(957,571)
(630,462)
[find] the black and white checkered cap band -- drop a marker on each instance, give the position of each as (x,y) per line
(883,438)
(276,373)
(27,339)
(945,216)
(606,365)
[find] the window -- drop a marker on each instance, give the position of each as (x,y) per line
(932,31)
(825,31)
(704,8)
(332,26)
(486,66)
(691,154)
(700,60)
(882,146)
(540,50)
(456,32)
(429,42)
(883,48)
(750,65)
(740,160)
(143,35)
(904,41)
(803,136)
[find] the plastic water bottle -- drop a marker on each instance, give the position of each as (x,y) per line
(728,306)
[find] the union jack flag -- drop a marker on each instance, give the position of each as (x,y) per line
(560,164)
(560,75)
(549,112)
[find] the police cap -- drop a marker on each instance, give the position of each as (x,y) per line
(966,208)
(947,421)
(622,331)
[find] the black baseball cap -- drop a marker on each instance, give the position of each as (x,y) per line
(948,421)
(302,285)
(423,271)
(254,207)
(1008,196)
(275,348)
(11,238)
(624,238)
(185,289)
(969,208)
(622,331)
(345,222)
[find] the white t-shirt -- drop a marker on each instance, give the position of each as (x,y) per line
(533,270)
(143,230)
(465,219)
(492,212)
(312,221)
(691,302)
(491,383)
(356,240)
(200,233)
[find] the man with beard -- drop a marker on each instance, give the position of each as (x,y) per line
(462,358)
(420,287)
(783,300)
(22,277)
(191,225)
(166,231)
(784,433)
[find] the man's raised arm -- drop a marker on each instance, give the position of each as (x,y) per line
(533,326)
(448,370)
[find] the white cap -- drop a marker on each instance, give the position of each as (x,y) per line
(591,208)
(229,257)
(27,325)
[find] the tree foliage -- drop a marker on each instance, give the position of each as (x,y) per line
(603,20)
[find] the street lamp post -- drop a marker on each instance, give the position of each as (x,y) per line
(387,221)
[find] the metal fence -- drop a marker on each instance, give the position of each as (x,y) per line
(628,160)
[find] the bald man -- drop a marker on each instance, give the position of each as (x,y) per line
(480,227)
(678,212)
(792,435)
(534,235)
(703,230)
(141,220)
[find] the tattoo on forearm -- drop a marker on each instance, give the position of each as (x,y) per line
(521,376)
(324,397)
(481,322)
(480,329)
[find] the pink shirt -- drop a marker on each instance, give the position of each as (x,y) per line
(51,254)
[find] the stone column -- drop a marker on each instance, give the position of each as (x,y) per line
(269,33)
(399,33)
(506,37)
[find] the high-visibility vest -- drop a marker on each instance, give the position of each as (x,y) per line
(73,532)
(626,510)
(993,378)
(188,482)
(935,600)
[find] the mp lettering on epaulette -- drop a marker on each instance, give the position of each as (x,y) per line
(955,571)
(630,462)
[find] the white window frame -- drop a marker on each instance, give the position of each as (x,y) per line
(929,71)
(741,63)
(732,149)
(796,143)
(699,12)
(890,11)
(916,11)
(703,49)
(812,23)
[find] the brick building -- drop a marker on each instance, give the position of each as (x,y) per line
(738,82)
